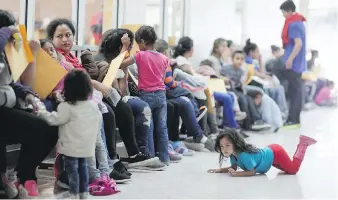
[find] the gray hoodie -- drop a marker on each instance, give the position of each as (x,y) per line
(7,95)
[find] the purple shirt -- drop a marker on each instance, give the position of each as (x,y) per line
(296,30)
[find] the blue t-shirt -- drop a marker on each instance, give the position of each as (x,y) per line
(249,60)
(260,161)
(296,30)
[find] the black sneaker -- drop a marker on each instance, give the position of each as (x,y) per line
(140,160)
(62,181)
(119,177)
(119,166)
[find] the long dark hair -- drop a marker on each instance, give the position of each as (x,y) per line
(111,43)
(6,18)
(238,142)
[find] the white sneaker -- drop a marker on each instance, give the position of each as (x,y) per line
(240,116)
(9,187)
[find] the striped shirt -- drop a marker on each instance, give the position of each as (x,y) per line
(169,81)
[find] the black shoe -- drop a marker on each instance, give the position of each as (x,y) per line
(141,160)
(119,177)
(119,166)
(63,181)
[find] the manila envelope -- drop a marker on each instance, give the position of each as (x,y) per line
(113,68)
(19,58)
(216,85)
(48,74)
(133,28)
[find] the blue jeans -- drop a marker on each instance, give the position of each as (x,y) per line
(278,95)
(103,135)
(77,172)
(227,102)
(188,115)
(158,127)
(142,114)
(101,157)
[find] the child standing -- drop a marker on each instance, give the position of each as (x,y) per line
(79,121)
(151,73)
(254,160)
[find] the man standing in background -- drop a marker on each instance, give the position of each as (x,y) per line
(293,36)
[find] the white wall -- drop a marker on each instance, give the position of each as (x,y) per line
(132,12)
(208,20)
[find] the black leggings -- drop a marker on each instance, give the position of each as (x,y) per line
(173,120)
(126,123)
(36,137)
(110,132)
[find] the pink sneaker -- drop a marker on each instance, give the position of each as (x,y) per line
(28,190)
(99,190)
(306,140)
(110,182)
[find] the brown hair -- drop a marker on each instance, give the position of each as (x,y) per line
(218,42)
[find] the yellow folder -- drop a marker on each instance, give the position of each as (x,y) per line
(216,85)
(113,68)
(133,28)
(48,74)
(20,57)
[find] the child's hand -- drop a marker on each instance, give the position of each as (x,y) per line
(232,172)
(35,46)
(214,171)
(30,100)
(125,41)
(58,96)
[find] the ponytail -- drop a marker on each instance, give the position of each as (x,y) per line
(184,45)
(249,47)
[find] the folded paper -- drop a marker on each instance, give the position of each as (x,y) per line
(48,74)
(19,54)
(113,68)
(216,85)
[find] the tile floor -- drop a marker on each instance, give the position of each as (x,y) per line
(318,177)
